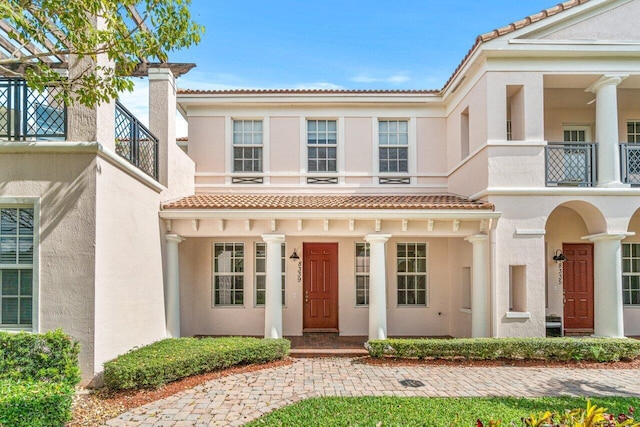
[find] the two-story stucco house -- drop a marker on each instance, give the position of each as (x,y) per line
(476,210)
(505,202)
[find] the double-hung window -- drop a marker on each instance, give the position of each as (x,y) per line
(247,145)
(393,140)
(633,131)
(261,272)
(362,274)
(16,267)
(631,274)
(322,146)
(228,274)
(412,273)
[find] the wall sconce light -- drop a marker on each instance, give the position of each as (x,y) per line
(559,256)
(294,256)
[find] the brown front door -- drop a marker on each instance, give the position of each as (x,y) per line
(577,281)
(320,286)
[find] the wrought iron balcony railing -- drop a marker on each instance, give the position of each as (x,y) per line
(570,164)
(630,163)
(135,142)
(27,115)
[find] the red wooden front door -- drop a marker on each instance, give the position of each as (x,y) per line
(320,285)
(577,281)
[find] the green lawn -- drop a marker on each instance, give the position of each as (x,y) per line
(416,411)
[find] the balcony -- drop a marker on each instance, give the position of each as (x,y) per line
(29,115)
(135,142)
(630,163)
(570,164)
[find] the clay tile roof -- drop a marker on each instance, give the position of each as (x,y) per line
(182,138)
(307,91)
(271,201)
(545,13)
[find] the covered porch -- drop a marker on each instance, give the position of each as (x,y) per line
(377,265)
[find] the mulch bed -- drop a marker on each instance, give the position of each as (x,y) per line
(96,407)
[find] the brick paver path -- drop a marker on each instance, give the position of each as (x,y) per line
(237,399)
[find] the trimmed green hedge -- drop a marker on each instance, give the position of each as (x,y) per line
(35,403)
(38,373)
(52,357)
(564,349)
(172,359)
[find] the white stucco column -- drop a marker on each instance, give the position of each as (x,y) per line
(162,116)
(607,136)
(479,286)
(273,291)
(172,288)
(377,286)
(607,284)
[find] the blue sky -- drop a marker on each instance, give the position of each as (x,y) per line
(351,44)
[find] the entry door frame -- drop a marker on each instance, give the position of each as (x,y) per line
(329,323)
(574,324)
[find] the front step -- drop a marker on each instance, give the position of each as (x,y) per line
(328,352)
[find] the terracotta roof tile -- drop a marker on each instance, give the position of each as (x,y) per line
(271,201)
(545,13)
(561,7)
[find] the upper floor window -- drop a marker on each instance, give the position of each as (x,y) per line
(631,273)
(322,145)
(362,274)
(247,145)
(393,140)
(261,272)
(412,273)
(633,131)
(228,273)
(16,267)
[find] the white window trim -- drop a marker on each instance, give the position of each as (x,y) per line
(626,133)
(30,202)
(340,151)
(214,275)
(628,274)
(412,152)
(426,274)
(255,274)
(585,128)
(356,274)
(228,149)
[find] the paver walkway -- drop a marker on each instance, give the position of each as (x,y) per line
(237,399)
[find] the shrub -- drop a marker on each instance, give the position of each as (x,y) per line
(35,403)
(38,373)
(172,359)
(563,349)
(51,357)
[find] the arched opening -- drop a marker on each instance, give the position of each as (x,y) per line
(570,266)
(631,277)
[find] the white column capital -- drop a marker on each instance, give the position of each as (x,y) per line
(275,238)
(599,237)
(606,80)
(477,238)
(157,73)
(377,238)
(173,238)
